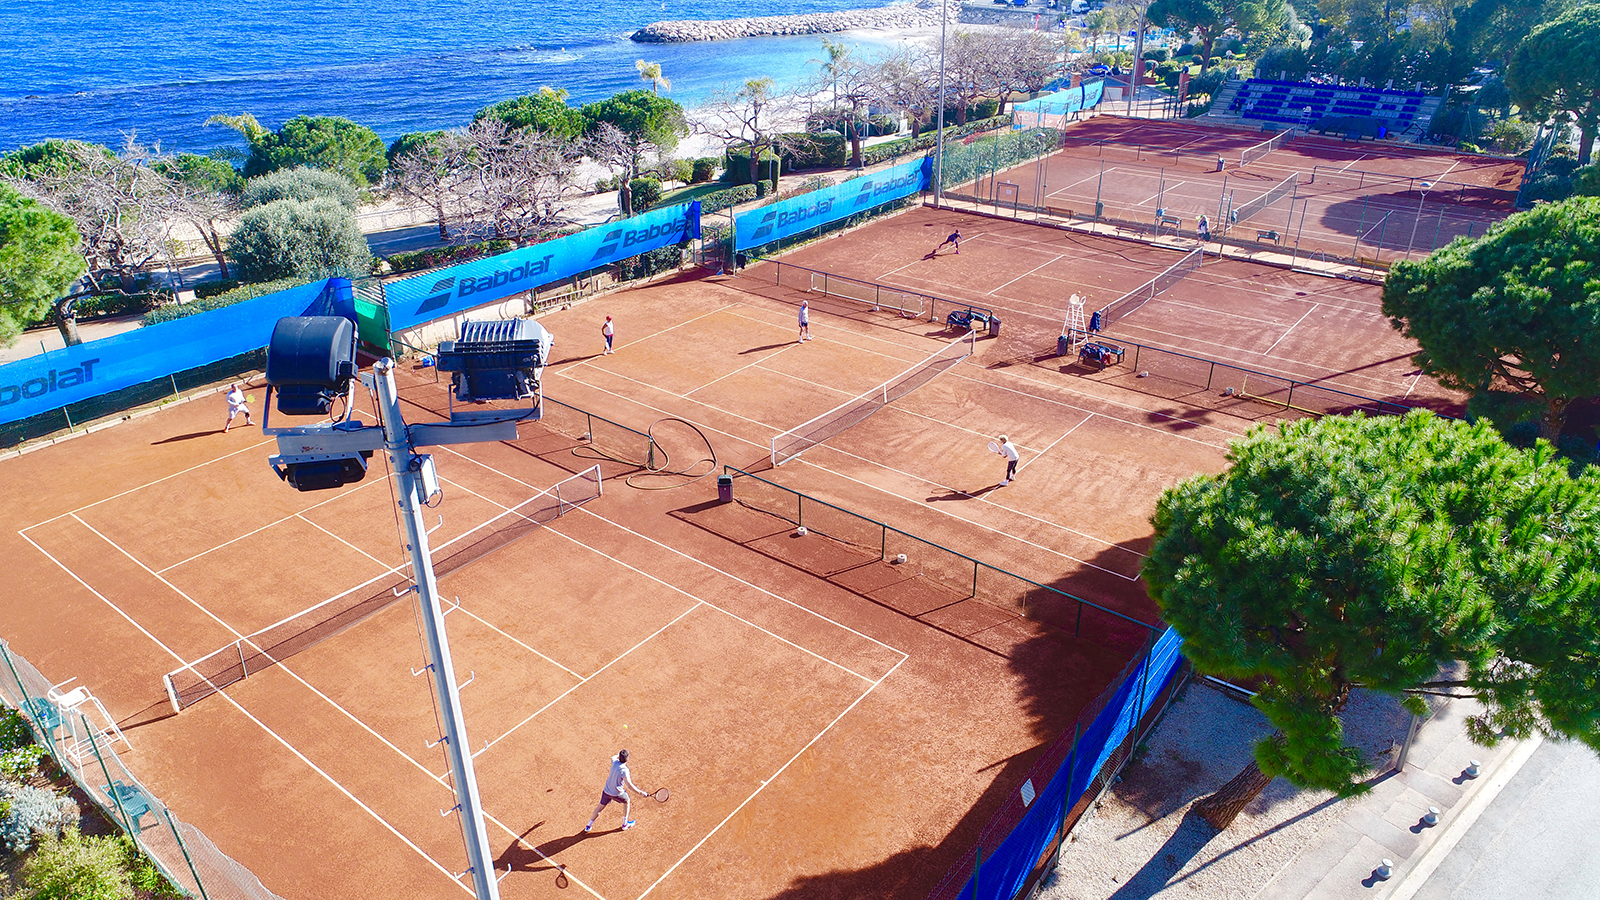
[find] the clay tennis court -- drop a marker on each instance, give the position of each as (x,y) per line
(830,724)
(1373,200)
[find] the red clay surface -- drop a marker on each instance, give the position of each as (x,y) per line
(1367,199)
(830,725)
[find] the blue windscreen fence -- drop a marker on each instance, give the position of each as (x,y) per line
(1002,872)
(787,218)
(40,384)
(1048,109)
(456,289)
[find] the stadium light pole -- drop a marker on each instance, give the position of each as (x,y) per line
(1138,58)
(409,479)
(938,152)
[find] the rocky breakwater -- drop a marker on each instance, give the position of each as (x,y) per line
(918,15)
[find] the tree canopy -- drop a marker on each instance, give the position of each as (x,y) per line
(320,142)
(39,260)
(1354,552)
(300,183)
(1518,309)
(649,120)
(291,238)
(546,112)
(1554,71)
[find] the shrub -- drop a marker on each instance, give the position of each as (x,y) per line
(738,170)
(207,289)
(435,257)
(301,184)
(878,126)
(32,812)
(721,200)
(680,170)
(237,294)
(19,763)
(1158,55)
(813,151)
(14,730)
(702,169)
(888,150)
(646,193)
(74,867)
(289,238)
(661,259)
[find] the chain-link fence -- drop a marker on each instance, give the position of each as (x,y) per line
(71,725)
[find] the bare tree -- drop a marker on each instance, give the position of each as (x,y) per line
(508,182)
(425,173)
(120,204)
(908,80)
(1019,61)
(750,115)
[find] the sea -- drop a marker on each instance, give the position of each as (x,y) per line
(97,70)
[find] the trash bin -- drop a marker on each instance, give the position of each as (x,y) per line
(1099,209)
(1219,163)
(994,326)
(1063,345)
(724,488)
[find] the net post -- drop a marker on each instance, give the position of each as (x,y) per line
(1077,627)
(799,509)
(243,669)
(974,579)
(185,848)
(1210,375)
(172,692)
(1068,800)
(883,541)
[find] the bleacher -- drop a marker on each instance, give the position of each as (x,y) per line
(1297,104)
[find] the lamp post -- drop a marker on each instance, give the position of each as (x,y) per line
(938,151)
(1138,59)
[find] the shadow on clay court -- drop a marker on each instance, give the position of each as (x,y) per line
(520,856)
(155,712)
(575,359)
(765,348)
(186,437)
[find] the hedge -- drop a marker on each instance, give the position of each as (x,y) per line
(895,149)
(239,294)
(812,151)
(738,170)
(446,256)
(721,200)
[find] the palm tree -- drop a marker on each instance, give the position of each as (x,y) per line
(651,72)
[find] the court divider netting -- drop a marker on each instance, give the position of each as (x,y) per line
(1245,211)
(797,440)
(194,681)
(1144,293)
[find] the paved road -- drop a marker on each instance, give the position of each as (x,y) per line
(1539,838)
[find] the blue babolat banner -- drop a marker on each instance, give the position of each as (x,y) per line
(797,214)
(40,384)
(446,292)
(1032,113)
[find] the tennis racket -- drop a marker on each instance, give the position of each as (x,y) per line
(993,447)
(662,795)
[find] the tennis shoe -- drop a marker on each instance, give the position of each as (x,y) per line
(589,827)
(628,824)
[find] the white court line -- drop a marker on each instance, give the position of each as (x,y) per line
(170,652)
(584,362)
(498,630)
(1047,262)
(197,605)
(277,522)
(787,345)
(141,487)
(1052,446)
(1290,329)
(1150,201)
(757,791)
(560,867)
(343,541)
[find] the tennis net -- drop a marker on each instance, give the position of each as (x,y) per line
(1251,154)
(194,681)
(877,296)
(1284,188)
(1139,296)
(801,438)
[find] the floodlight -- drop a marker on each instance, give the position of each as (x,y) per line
(321,471)
(311,361)
(496,360)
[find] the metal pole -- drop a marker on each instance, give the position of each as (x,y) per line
(1138,58)
(1412,242)
(409,484)
(938,152)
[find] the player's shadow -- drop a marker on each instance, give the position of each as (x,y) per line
(522,856)
(186,437)
(764,348)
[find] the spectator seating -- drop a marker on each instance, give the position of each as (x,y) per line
(1302,104)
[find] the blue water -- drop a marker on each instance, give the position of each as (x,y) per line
(96,69)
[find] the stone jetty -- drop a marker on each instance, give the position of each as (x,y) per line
(918,15)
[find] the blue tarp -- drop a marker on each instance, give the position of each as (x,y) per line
(787,218)
(1085,96)
(446,292)
(50,381)
(1003,875)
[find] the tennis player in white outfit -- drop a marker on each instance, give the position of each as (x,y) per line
(618,781)
(1009,451)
